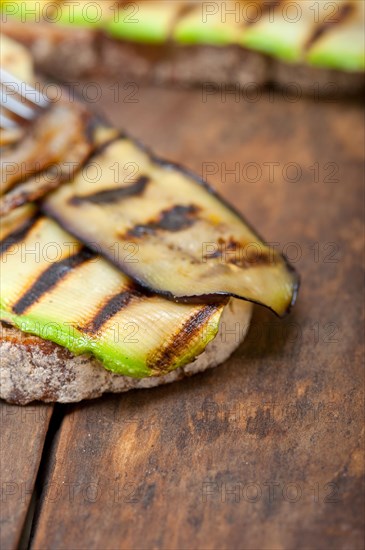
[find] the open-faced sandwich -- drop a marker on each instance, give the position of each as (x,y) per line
(127,278)
(309,47)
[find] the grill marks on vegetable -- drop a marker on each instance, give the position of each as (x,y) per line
(241,255)
(176,218)
(17,236)
(57,286)
(336,19)
(44,145)
(182,11)
(49,279)
(111,307)
(264,7)
(57,272)
(342,12)
(173,220)
(160,360)
(113,195)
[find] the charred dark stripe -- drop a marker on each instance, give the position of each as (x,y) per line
(161,360)
(263,8)
(242,255)
(324,27)
(174,219)
(182,12)
(33,189)
(115,304)
(17,236)
(50,278)
(112,195)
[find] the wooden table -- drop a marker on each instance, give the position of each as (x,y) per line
(264,452)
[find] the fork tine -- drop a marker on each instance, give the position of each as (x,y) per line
(23,89)
(11,104)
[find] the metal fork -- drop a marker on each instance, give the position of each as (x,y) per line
(20,103)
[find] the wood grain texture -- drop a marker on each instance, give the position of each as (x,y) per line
(23,431)
(265,451)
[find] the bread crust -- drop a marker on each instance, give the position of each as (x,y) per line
(33,369)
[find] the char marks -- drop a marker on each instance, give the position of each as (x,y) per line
(49,279)
(113,195)
(17,236)
(113,306)
(265,7)
(181,12)
(342,14)
(242,255)
(161,360)
(173,219)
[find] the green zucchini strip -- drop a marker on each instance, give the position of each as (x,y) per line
(55,288)
(214,24)
(147,22)
(339,47)
(286,32)
(185,242)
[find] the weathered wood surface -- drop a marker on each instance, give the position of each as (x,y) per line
(265,451)
(23,432)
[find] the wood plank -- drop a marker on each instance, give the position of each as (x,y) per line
(265,451)
(23,432)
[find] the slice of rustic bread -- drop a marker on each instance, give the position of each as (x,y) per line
(99,56)
(33,369)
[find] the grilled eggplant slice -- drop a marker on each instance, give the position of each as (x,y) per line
(59,137)
(185,243)
(54,287)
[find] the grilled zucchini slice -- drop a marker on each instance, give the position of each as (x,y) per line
(54,287)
